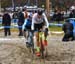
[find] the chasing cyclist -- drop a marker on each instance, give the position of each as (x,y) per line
(26,28)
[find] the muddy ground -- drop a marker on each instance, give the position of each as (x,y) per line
(14,51)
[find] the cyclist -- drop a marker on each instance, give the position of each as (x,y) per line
(27,27)
(39,20)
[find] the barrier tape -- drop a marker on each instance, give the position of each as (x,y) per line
(51,24)
(10,27)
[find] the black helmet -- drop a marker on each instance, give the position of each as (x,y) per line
(40,12)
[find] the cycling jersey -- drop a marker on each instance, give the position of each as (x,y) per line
(27,24)
(38,21)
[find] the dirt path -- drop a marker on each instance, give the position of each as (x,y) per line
(13,51)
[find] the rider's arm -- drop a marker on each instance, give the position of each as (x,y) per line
(33,20)
(23,27)
(46,20)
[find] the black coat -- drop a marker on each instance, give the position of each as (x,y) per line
(20,18)
(67,27)
(58,17)
(6,20)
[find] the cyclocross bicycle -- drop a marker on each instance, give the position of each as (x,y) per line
(43,42)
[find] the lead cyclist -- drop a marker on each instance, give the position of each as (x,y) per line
(39,20)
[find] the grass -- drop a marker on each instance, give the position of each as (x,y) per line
(51,28)
(55,28)
(0,24)
(14,30)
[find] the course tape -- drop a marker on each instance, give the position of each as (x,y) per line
(10,27)
(51,24)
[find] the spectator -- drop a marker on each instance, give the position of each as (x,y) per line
(20,22)
(72,14)
(68,30)
(6,23)
(58,16)
(72,20)
(14,17)
(54,17)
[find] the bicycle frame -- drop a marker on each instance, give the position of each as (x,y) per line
(42,45)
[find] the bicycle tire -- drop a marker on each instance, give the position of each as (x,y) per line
(41,48)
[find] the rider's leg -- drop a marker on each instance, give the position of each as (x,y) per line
(25,34)
(37,39)
(37,44)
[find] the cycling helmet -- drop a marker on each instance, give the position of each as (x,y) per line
(40,12)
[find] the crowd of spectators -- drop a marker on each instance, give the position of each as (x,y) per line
(18,17)
(21,15)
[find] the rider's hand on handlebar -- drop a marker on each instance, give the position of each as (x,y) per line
(46,31)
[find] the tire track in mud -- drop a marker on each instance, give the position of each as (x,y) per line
(15,52)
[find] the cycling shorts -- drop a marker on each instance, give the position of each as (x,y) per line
(38,26)
(27,28)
